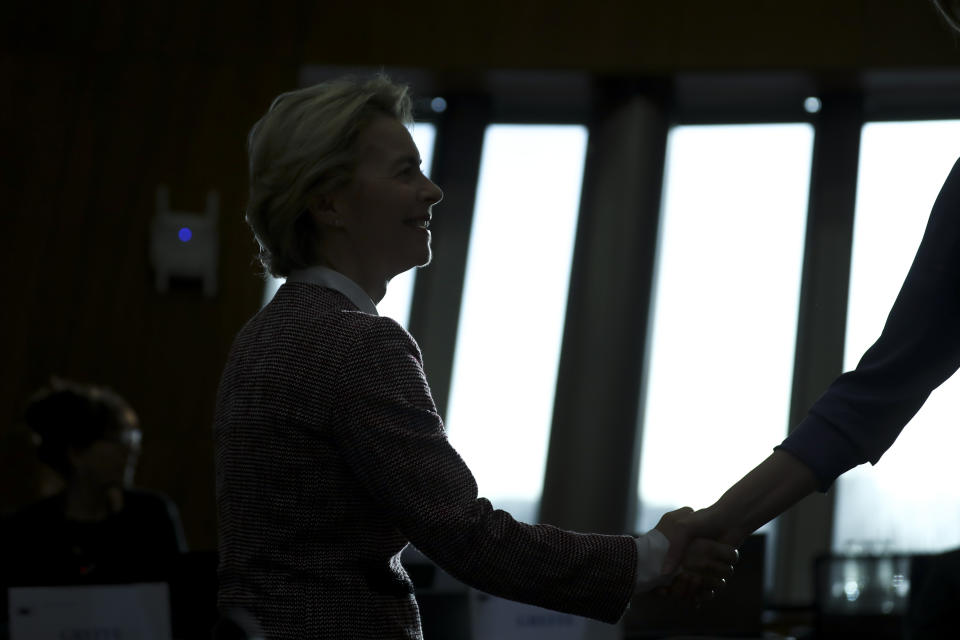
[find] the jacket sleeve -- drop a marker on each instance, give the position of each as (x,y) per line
(863,412)
(393,440)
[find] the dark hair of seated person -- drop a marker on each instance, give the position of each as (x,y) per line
(98,528)
(69,416)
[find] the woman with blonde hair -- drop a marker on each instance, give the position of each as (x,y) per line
(330,453)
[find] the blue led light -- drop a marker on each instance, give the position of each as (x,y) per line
(185,234)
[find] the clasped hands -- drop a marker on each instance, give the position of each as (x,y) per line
(699,566)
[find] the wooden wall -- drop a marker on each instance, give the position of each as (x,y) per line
(103,101)
(104,106)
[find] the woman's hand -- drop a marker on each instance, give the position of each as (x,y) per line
(700,566)
(707,565)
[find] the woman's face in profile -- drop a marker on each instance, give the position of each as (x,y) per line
(386,208)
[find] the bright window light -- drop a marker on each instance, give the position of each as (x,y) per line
(724,316)
(396,303)
(514,301)
(910,501)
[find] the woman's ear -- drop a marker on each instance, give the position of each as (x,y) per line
(323,210)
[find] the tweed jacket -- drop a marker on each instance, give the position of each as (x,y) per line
(331,457)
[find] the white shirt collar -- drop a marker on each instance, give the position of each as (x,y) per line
(327,277)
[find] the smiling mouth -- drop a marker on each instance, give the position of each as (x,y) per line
(419,223)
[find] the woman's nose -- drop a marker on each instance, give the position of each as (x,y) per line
(432,193)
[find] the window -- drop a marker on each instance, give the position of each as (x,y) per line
(724,315)
(396,302)
(514,300)
(910,500)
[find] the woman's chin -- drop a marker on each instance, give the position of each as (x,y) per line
(420,259)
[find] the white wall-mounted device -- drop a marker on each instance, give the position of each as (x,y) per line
(185,245)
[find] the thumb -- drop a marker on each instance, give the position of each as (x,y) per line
(671,525)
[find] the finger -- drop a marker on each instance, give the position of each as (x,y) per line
(680,587)
(708,583)
(675,554)
(669,519)
(710,558)
(710,568)
(679,538)
(707,594)
(705,551)
(692,584)
(672,560)
(715,550)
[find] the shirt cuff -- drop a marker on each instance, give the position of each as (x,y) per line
(651,552)
(824,448)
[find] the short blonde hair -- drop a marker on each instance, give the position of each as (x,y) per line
(305,145)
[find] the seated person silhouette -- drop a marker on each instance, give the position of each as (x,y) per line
(98,528)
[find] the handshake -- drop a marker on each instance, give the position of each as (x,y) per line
(693,567)
(701,553)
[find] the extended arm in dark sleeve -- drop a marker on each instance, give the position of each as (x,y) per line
(863,412)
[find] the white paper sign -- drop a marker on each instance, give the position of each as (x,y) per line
(91,612)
